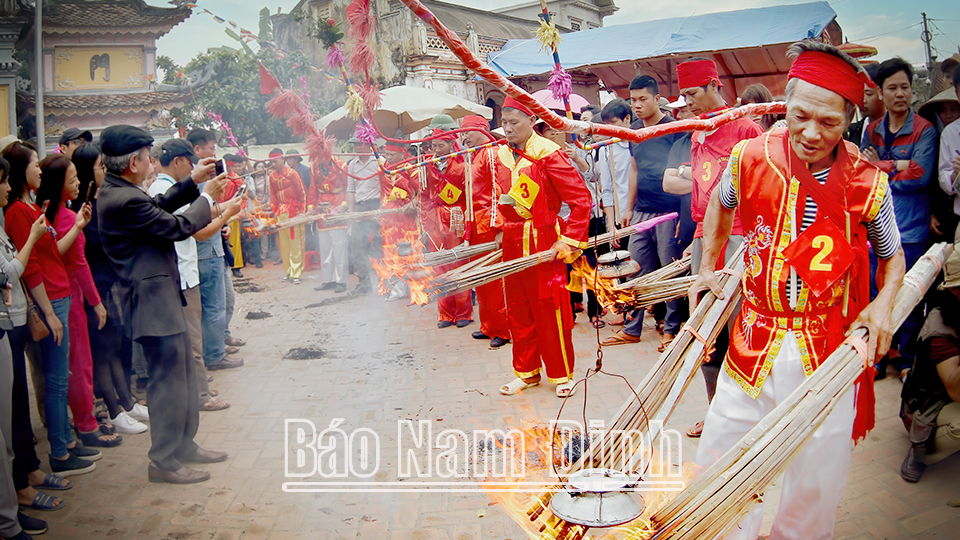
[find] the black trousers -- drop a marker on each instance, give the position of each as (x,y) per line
(365,241)
(114,350)
(173,399)
(25,459)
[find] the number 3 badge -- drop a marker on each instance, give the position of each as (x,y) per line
(821,255)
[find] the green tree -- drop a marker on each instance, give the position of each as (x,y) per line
(234,93)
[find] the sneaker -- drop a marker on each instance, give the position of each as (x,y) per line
(31,525)
(71,466)
(285,278)
(139,413)
(124,423)
(81,451)
(296,281)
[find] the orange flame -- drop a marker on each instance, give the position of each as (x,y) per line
(262,218)
(392,266)
(606,289)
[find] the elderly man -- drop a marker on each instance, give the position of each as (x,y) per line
(138,234)
(72,139)
(535,177)
(798,190)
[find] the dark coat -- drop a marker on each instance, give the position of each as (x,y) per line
(138,233)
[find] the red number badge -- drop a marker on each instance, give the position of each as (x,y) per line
(821,255)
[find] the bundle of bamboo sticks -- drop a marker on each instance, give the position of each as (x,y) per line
(639,420)
(730,487)
(671,270)
(648,294)
(459,253)
(331,220)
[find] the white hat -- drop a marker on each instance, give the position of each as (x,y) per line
(680,102)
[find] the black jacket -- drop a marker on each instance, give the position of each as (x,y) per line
(138,233)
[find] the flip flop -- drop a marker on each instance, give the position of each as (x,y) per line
(54,483)
(620,338)
(236,342)
(214,393)
(214,405)
(231,350)
(665,342)
(44,502)
(566,389)
(516,386)
(696,431)
(598,323)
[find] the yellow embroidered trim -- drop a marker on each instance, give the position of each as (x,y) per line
(574,243)
(558,381)
(527,229)
(877,193)
(563,346)
(735,165)
(527,375)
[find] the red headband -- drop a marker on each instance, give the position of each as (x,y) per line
(514,104)
(394,148)
(474,121)
(275,155)
(832,73)
(443,134)
(697,73)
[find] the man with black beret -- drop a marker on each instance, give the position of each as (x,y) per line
(72,139)
(138,234)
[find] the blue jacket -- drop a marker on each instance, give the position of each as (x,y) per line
(917,142)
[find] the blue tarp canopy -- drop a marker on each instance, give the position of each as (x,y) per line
(748,46)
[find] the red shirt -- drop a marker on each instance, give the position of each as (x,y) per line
(709,154)
(44,266)
(287,195)
(329,184)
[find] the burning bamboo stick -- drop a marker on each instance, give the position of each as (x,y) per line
(730,487)
(459,253)
(671,270)
(330,219)
(648,294)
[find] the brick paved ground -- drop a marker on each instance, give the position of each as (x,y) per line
(384,361)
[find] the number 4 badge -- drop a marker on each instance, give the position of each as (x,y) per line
(450,193)
(821,255)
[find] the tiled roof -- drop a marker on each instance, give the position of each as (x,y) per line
(95,104)
(131,14)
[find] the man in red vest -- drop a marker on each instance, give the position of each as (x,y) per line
(808,202)
(535,177)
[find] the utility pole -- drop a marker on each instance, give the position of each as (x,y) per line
(927,38)
(38,79)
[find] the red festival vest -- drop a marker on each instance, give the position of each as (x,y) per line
(767,191)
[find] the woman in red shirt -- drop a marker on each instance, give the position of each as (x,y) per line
(59,185)
(48,284)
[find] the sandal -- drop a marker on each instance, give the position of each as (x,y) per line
(566,389)
(516,386)
(214,393)
(214,405)
(696,431)
(236,342)
(597,322)
(94,438)
(665,341)
(54,483)
(107,429)
(231,350)
(620,338)
(660,326)
(44,502)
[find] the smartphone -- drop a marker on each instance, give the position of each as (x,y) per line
(220,167)
(241,191)
(86,198)
(43,208)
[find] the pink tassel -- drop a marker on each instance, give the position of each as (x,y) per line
(361,58)
(561,83)
(301,124)
(362,21)
(366,133)
(371,96)
(335,57)
(319,147)
(284,104)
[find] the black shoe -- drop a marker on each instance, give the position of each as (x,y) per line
(22,536)
(327,286)
(912,467)
(71,466)
(259,264)
(82,452)
(444,324)
(498,342)
(341,287)
(226,363)
(236,273)
(363,288)
(479,335)
(464,322)
(31,525)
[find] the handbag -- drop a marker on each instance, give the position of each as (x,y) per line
(38,328)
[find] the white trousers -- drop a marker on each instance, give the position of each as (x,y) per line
(333,255)
(814,482)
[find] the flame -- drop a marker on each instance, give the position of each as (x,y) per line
(531,511)
(262,218)
(392,266)
(606,289)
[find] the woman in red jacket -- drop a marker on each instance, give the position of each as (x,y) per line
(60,185)
(48,284)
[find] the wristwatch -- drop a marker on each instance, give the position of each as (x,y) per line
(680,170)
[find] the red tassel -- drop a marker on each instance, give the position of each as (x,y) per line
(866,403)
(361,58)
(268,83)
(319,147)
(371,96)
(362,21)
(284,104)
(301,124)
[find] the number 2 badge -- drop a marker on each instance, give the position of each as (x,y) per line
(820,255)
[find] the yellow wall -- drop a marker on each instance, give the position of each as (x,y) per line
(74,65)
(4,110)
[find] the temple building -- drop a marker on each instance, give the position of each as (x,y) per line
(100,64)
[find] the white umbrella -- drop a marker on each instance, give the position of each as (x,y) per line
(405,109)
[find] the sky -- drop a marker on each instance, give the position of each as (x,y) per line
(892,26)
